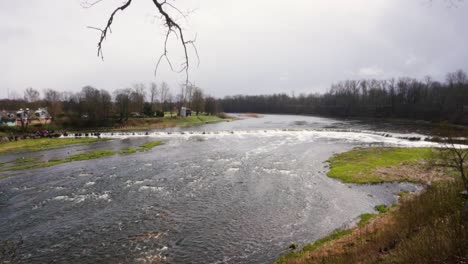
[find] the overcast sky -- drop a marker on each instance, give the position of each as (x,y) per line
(245,47)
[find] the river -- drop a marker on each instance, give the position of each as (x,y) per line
(231,192)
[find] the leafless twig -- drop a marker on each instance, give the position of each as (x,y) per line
(173,28)
(88,4)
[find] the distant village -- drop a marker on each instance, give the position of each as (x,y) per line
(94,108)
(24,117)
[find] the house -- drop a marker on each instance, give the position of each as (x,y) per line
(184,111)
(43,116)
(25,117)
(22,117)
(7,118)
(136,115)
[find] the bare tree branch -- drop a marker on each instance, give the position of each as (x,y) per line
(88,4)
(173,28)
(109,23)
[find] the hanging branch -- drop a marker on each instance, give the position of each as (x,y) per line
(172,28)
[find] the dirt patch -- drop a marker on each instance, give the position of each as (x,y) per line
(252,115)
(421,172)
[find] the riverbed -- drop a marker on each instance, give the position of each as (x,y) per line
(231,192)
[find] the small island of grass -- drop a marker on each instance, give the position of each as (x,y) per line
(32,163)
(383,164)
(28,145)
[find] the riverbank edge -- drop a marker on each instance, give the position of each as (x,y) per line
(133,124)
(382,217)
(194,121)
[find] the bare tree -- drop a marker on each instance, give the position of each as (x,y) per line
(181,96)
(53,101)
(163,93)
(31,95)
(169,22)
(188,94)
(137,98)
(211,107)
(122,102)
(170,101)
(454,154)
(154,92)
(198,102)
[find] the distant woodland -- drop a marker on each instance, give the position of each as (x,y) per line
(406,98)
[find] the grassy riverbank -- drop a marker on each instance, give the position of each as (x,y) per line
(43,144)
(134,124)
(425,228)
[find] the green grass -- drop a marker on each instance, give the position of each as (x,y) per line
(128,151)
(313,246)
(90,155)
(365,218)
(403,194)
(32,163)
(382,208)
(43,144)
(149,145)
(77,157)
(24,160)
(143,147)
(359,164)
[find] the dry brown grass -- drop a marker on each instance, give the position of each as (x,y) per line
(251,115)
(360,243)
(419,172)
(225,116)
(425,228)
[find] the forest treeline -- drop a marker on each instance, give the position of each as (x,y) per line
(407,98)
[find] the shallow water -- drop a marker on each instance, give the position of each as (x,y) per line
(234,192)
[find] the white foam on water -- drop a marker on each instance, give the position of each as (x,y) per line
(236,163)
(83,197)
(298,135)
(274,170)
(232,169)
(90,183)
(22,188)
(150,188)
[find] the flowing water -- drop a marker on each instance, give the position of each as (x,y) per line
(232,192)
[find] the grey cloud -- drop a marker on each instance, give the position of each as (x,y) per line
(269,47)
